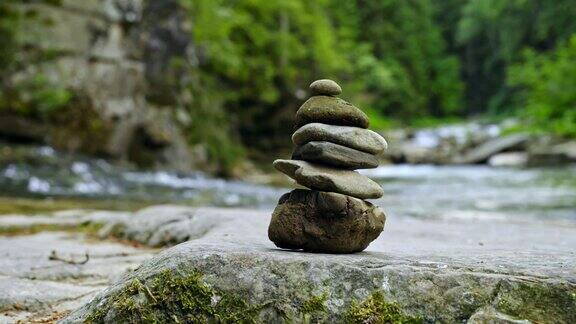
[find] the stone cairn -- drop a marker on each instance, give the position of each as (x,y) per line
(332,140)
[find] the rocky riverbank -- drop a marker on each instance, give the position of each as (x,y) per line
(422,270)
(478,143)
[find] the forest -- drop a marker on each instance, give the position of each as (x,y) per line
(405,63)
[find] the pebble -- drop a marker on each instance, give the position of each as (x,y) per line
(325,87)
(335,155)
(323,178)
(330,110)
(353,137)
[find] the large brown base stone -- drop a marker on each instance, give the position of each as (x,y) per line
(328,222)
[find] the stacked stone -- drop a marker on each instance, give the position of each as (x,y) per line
(332,140)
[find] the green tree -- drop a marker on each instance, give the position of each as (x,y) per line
(258,56)
(411,74)
(491,35)
(547,85)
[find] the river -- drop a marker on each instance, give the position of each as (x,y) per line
(422,191)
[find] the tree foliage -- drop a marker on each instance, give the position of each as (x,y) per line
(261,55)
(547,85)
(491,35)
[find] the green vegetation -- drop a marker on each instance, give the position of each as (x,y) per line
(174,299)
(547,89)
(315,304)
(314,309)
(35,96)
(87,228)
(375,309)
(29,206)
(538,303)
(403,62)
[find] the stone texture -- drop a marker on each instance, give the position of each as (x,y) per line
(34,295)
(445,271)
(163,225)
(433,269)
(330,110)
(484,151)
(35,289)
(329,179)
(335,155)
(325,87)
(509,159)
(116,65)
(353,137)
(491,315)
(325,222)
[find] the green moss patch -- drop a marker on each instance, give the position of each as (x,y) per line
(172,299)
(375,309)
(29,206)
(315,304)
(87,228)
(538,302)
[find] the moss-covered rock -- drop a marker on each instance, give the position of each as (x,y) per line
(171,298)
(375,309)
(237,283)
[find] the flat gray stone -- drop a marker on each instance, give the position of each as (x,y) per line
(330,110)
(27,257)
(335,155)
(33,295)
(325,87)
(325,222)
(160,225)
(353,137)
(329,179)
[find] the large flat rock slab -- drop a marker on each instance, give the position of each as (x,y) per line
(36,287)
(434,270)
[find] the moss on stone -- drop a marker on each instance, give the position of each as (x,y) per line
(314,310)
(375,309)
(315,304)
(171,298)
(537,302)
(28,206)
(87,228)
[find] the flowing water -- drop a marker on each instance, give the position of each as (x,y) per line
(447,192)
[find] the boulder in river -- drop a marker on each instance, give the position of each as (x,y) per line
(483,152)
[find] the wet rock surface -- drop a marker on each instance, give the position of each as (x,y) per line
(317,221)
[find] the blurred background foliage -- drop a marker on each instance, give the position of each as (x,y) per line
(398,60)
(402,61)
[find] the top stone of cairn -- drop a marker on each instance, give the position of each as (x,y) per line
(325,87)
